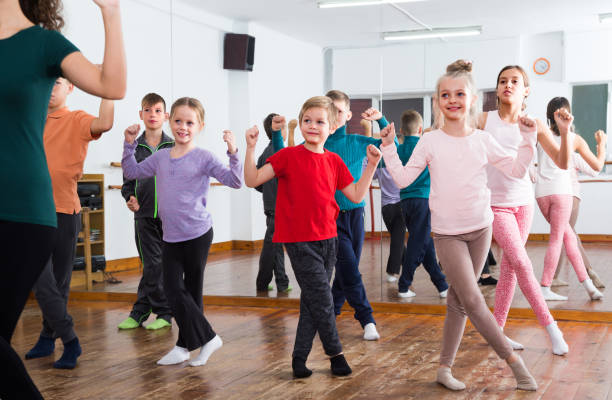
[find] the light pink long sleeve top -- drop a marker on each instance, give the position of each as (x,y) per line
(460,200)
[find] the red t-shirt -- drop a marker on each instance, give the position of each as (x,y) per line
(305,206)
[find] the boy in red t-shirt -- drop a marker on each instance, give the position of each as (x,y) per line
(306,212)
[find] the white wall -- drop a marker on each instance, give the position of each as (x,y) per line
(176,50)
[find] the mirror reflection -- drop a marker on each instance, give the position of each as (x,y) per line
(390,77)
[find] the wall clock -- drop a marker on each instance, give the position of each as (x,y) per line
(541,66)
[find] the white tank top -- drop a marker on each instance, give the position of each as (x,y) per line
(506,191)
(551,179)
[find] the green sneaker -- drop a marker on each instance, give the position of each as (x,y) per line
(289,288)
(158,324)
(129,323)
(270,287)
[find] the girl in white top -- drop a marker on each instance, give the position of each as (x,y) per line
(585,168)
(554,196)
(512,204)
(457,156)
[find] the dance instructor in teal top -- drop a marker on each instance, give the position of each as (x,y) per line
(34,54)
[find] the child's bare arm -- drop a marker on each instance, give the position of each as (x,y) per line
(254,177)
(106,117)
(355,192)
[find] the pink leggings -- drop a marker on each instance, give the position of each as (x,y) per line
(510,230)
(557,209)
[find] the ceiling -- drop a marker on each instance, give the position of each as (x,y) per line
(362,26)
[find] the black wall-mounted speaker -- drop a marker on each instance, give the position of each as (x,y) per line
(238,52)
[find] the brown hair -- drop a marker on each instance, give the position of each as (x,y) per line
(553,105)
(460,69)
(411,122)
(336,95)
(267,123)
(151,99)
(192,103)
(46,13)
(525,80)
(324,102)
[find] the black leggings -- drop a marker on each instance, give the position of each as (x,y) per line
(24,251)
(183,266)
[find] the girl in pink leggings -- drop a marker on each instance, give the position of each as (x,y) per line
(512,205)
(554,196)
(460,210)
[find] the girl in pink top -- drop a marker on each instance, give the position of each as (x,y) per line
(457,156)
(512,203)
(554,195)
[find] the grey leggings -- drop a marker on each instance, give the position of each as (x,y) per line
(463,257)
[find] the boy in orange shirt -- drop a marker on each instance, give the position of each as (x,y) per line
(66,137)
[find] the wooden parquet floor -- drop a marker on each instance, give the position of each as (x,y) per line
(255,361)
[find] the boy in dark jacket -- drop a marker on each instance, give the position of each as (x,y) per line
(141,198)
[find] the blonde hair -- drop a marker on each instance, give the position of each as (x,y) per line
(190,102)
(411,122)
(338,95)
(461,69)
(323,102)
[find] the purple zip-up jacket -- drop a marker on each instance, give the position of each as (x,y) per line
(182,187)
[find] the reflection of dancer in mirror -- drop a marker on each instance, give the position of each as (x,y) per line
(141,198)
(416,214)
(306,212)
(461,215)
(33,56)
(554,195)
(183,174)
(512,205)
(584,167)
(348,284)
(272,257)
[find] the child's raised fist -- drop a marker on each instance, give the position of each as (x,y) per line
(527,124)
(601,137)
(293,124)
(374,155)
(564,120)
(228,137)
(251,135)
(278,122)
(387,134)
(371,114)
(131,132)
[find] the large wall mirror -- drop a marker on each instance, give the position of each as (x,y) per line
(185,58)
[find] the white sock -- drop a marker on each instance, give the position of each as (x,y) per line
(409,293)
(592,290)
(391,278)
(514,345)
(370,332)
(445,378)
(443,294)
(175,356)
(206,351)
(559,346)
(550,295)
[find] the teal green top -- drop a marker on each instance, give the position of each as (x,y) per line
(352,149)
(30,65)
(420,187)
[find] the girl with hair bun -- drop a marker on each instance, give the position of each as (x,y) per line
(457,156)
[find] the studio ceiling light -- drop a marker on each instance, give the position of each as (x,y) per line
(433,33)
(605,17)
(355,3)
